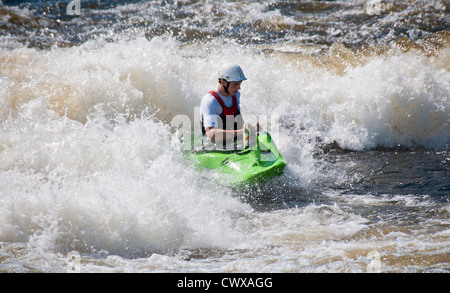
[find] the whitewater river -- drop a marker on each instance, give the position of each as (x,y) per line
(92,180)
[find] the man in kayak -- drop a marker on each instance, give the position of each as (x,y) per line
(220,109)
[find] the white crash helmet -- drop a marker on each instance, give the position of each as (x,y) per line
(231,72)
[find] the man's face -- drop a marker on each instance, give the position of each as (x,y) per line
(234,87)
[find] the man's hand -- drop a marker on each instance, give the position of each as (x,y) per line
(253,128)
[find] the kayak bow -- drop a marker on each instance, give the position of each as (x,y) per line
(257,163)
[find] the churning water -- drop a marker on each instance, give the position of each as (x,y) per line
(88,165)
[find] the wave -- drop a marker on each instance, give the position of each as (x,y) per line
(86,152)
(356,100)
(355,24)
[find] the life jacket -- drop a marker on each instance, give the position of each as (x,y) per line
(228,115)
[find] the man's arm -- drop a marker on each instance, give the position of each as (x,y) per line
(217,135)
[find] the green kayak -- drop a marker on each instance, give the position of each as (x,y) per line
(257,163)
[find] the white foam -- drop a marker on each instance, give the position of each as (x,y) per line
(86,159)
(106,184)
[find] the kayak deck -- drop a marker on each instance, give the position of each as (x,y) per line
(257,163)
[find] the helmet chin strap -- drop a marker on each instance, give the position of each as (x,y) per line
(226,87)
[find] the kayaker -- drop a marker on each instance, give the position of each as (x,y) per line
(220,109)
